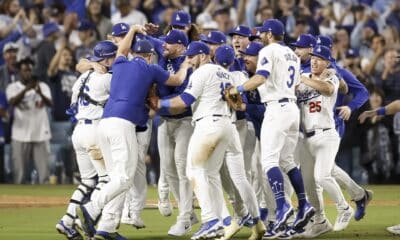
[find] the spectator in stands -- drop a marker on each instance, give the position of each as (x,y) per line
(46,50)
(11,17)
(341,44)
(8,71)
(390,77)
(88,38)
(30,99)
(127,14)
(103,24)
(392,36)
(373,62)
(3,115)
(376,149)
(62,77)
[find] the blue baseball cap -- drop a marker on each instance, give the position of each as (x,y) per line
(274,26)
(197,47)
(120,29)
(305,41)
(241,31)
(143,46)
(324,41)
(322,52)
(352,53)
(50,28)
(102,50)
(214,37)
(224,55)
(85,25)
(176,37)
(252,49)
(181,19)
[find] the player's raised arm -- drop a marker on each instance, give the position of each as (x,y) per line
(85,65)
(124,48)
(178,78)
(390,109)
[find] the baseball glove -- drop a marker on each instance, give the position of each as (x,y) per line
(234,100)
(152,98)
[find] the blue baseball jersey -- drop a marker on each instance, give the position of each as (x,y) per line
(238,65)
(305,67)
(130,84)
(254,110)
(172,66)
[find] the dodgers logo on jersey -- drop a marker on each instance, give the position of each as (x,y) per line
(306,95)
(264,61)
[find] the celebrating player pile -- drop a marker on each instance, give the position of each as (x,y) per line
(210,112)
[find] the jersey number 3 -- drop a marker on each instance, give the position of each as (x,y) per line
(291,76)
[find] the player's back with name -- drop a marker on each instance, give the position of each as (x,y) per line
(282,67)
(316,109)
(206,84)
(97,86)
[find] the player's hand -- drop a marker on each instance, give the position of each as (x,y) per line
(151,28)
(98,67)
(139,29)
(30,86)
(367,114)
(233,91)
(344,112)
(327,73)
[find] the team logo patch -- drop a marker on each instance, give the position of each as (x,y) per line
(264,61)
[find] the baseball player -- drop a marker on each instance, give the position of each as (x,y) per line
(390,109)
(135,199)
(235,164)
(316,97)
(360,95)
(90,92)
(215,39)
(276,76)
(125,109)
(174,133)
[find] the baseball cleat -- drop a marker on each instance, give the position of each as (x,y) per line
(165,207)
(282,216)
(88,224)
(362,205)
(304,214)
(133,219)
(258,230)
(231,230)
(343,219)
(270,233)
(394,229)
(70,232)
(317,229)
(209,230)
(101,235)
(179,229)
(246,221)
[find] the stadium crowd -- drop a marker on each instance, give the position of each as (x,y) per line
(42,40)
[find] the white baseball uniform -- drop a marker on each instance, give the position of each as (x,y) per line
(319,145)
(85,134)
(279,131)
(211,137)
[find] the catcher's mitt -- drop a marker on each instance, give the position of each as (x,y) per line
(234,100)
(152,98)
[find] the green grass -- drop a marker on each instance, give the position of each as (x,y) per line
(38,223)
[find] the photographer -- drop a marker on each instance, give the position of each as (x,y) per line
(30,137)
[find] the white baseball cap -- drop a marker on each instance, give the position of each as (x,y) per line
(10,46)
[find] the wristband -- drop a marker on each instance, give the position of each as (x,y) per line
(381,111)
(165,103)
(240,88)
